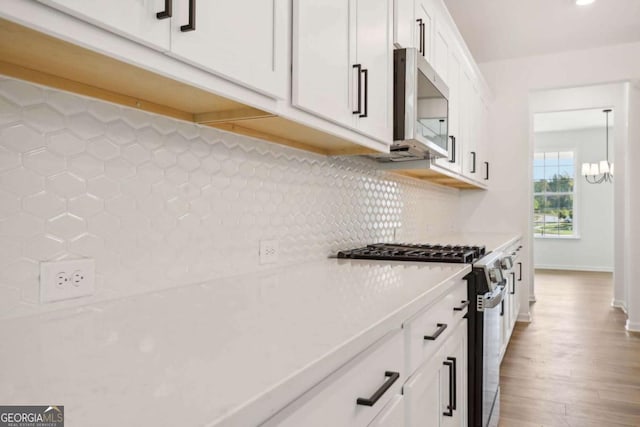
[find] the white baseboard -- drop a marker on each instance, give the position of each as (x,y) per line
(632,326)
(619,304)
(599,269)
(524,317)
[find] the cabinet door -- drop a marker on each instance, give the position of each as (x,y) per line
(424,16)
(454,379)
(136,20)
(243,40)
(322,71)
(471,166)
(374,51)
(442,41)
(423,394)
(404,24)
(392,415)
(453,161)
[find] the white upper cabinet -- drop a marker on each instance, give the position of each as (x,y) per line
(343,63)
(245,41)
(413,25)
(442,44)
(137,20)
(321,74)
(425,28)
(453,161)
(374,53)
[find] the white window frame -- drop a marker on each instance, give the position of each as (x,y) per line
(574,193)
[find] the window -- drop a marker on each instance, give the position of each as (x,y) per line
(554,194)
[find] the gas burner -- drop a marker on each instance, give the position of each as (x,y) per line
(461,254)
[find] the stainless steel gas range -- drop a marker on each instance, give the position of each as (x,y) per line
(486,289)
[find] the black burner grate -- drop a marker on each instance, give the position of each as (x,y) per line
(461,254)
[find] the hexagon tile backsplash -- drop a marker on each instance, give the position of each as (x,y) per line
(161,203)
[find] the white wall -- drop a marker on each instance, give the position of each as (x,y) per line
(161,203)
(511,82)
(593,215)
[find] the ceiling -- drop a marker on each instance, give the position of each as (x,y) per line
(570,120)
(505,29)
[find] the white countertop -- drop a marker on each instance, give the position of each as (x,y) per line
(228,352)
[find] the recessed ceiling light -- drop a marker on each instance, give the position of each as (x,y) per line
(584,2)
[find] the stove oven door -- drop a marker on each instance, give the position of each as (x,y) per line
(491,358)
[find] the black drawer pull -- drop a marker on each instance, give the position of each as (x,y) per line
(191,26)
(454,382)
(462,306)
(441,328)
(502,308)
(513,284)
(358,67)
(420,48)
(392,378)
(486,178)
(424,45)
(520,272)
(167,12)
(366,93)
(449,411)
(473,163)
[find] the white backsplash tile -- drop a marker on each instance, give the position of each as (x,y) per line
(161,203)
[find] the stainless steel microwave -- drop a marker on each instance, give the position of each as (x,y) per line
(420,110)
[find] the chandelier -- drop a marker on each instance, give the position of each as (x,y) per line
(596,173)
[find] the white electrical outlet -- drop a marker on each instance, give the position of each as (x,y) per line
(67,279)
(269,251)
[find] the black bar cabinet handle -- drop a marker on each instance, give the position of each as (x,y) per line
(462,306)
(502,308)
(513,284)
(366,93)
(453,149)
(487,176)
(167,12)
(424,45)
(358,67)
(473,163)
(191,26)
(392,378)
(520,271)
(454,382)
(449,411)
(440,330)
(419,21)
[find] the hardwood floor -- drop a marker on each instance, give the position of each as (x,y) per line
(574,365)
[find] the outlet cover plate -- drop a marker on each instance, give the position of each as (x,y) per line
(269,251)
(80,275)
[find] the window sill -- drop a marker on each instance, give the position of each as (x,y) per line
(545,237)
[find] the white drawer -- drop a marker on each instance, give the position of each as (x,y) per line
(426,331)
(334,401)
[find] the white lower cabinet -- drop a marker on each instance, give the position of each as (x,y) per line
(393,415)
(383,387)
(353,395)
(436,394)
